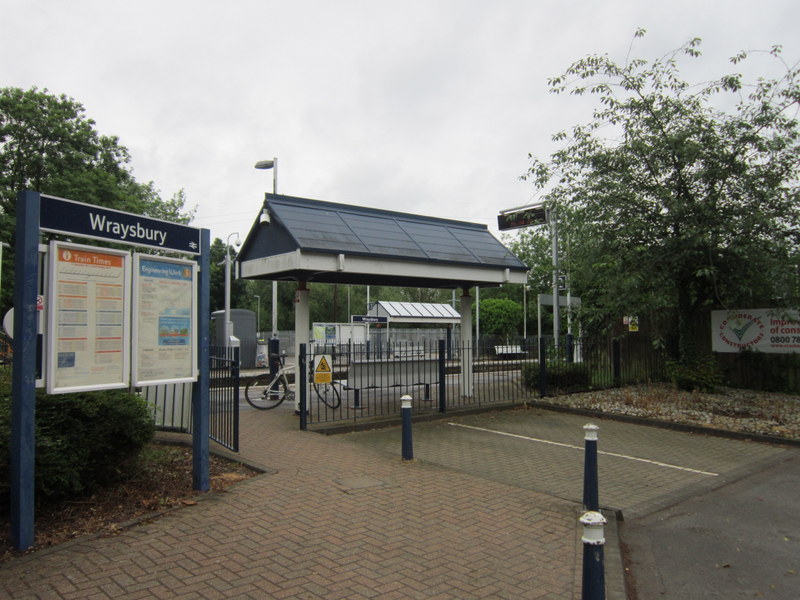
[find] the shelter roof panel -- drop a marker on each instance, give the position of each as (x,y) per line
(455,253)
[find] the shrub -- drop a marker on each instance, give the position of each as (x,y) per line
(561,376)
(82,440)
(702,375)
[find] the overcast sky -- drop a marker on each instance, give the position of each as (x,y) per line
(422,106)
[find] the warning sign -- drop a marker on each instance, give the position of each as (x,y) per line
(322,369)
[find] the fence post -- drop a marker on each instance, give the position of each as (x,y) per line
(301,386)
(542,367)
(235,399)
(591,496)
(617,363)
(407,444)
(594,580)
(570,348)
(442,376)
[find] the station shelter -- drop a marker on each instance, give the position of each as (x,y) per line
(307,241)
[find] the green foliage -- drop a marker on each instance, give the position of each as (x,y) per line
(83,440)
(561,376)
(671,205)
(240,298)
(701,375)
(49,145)
(533,246)
(500,316)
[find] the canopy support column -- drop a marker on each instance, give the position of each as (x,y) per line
(302,326)
(466,343)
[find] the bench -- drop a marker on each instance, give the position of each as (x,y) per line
(389,372)
(510,351)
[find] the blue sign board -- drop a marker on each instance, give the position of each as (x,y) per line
(89,221)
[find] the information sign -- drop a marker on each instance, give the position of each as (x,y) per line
(523,217)
(369,319)
(164,320)
(88,320)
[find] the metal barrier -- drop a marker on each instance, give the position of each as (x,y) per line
(172,403)
(224,396)
(367,386)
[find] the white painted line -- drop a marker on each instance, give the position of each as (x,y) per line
(574,447)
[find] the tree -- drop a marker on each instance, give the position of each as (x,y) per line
(240,295)
(47,144)
(500,316)
(676,198)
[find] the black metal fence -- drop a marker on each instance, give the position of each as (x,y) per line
(171,403)
(224,396)
(366,382)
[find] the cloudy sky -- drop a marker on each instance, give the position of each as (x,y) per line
(423,106)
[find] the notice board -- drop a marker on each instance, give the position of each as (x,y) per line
(164,320)
(89,318)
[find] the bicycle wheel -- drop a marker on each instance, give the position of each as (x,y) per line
(263,394)
(328,395)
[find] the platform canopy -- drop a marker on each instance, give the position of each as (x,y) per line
(310,240)
(415,312)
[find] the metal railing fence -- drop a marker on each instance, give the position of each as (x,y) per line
(367,383)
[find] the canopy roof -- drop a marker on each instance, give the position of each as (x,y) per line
(312,240)
(415,312)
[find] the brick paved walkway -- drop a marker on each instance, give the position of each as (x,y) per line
(334,520)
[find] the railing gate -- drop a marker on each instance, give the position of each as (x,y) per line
(224,396)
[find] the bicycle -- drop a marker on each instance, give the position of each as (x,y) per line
(328,394)
(264,393)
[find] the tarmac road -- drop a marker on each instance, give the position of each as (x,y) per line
(741,540)
(704,516)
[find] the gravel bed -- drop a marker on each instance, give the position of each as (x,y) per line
(747,411)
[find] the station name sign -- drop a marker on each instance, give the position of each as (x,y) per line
(521,218)
(369,319)
(86,220)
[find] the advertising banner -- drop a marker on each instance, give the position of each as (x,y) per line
(765,330)
(164,320)
(89,318)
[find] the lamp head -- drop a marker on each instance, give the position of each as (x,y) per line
(265,164)
(264,218)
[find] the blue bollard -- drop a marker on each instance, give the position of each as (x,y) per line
(591,495)
(408,446)
(594,578)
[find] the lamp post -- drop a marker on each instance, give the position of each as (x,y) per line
(525,289)
(258,313)
(228,328)
(272,164)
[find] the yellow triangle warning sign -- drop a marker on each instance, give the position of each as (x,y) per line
(323,366)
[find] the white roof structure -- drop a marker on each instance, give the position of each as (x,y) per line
(415,312)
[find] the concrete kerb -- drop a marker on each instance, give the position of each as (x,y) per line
(683,427)
(185,439)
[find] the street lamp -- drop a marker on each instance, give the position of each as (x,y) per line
(272,164)
(258,313)
(228,324)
